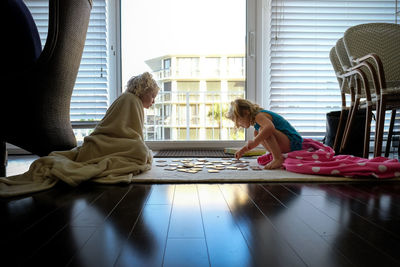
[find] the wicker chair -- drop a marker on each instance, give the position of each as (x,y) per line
(378,45)
(344,90)
(35,97)
(361,97)
(351,83)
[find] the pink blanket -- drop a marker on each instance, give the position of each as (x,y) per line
(317,158)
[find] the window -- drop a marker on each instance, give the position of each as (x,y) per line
(194,114)
(213,133)
(236,66)
(202,54)
(212,66)
(205,61)
(187,86)
(235,89)
(181,109)
(187,66)
(186,46)
(300,82)
(167,67)
(213,90)
(213,86)
(167,63)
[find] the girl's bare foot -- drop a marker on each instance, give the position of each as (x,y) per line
(274,164)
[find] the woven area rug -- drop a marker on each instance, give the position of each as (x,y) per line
(160,174)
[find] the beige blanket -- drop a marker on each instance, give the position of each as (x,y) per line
(115,152)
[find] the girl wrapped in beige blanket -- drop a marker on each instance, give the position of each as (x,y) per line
(115,152)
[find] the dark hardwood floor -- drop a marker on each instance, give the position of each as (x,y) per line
(288,224)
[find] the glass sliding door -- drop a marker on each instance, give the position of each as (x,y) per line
(196,50)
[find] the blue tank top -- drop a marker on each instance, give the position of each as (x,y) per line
(284,126)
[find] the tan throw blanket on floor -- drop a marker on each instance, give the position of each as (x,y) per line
(115,152)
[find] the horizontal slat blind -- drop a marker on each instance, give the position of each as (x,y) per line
(303,86)
(90,97)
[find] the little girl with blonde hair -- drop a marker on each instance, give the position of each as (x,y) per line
(272,131)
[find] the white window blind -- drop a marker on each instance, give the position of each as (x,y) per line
(302,83)
(90,98)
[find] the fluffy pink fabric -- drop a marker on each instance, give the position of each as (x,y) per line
(316,158)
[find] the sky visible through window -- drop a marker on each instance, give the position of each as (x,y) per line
(154,28)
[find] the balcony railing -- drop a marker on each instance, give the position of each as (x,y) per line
(163,74)
(197,113)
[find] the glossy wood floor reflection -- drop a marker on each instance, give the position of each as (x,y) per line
(204,225)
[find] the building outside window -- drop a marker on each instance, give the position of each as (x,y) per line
(199,101)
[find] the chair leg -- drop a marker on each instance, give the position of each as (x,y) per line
(346,129)
(379,129)
(3,158)
(349,123)
(390,133)
(339,132)
(368,119)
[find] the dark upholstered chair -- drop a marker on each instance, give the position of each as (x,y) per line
(36,86)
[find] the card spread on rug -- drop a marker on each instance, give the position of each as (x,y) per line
(190,170)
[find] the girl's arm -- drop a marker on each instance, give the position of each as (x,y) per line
(266,129)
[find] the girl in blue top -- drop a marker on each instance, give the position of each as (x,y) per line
(272,131)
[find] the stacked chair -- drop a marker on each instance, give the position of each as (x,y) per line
(360,90)
(369,71)
(345,88)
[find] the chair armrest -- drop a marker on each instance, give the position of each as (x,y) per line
(378,78)
(378,66)
(357,71)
